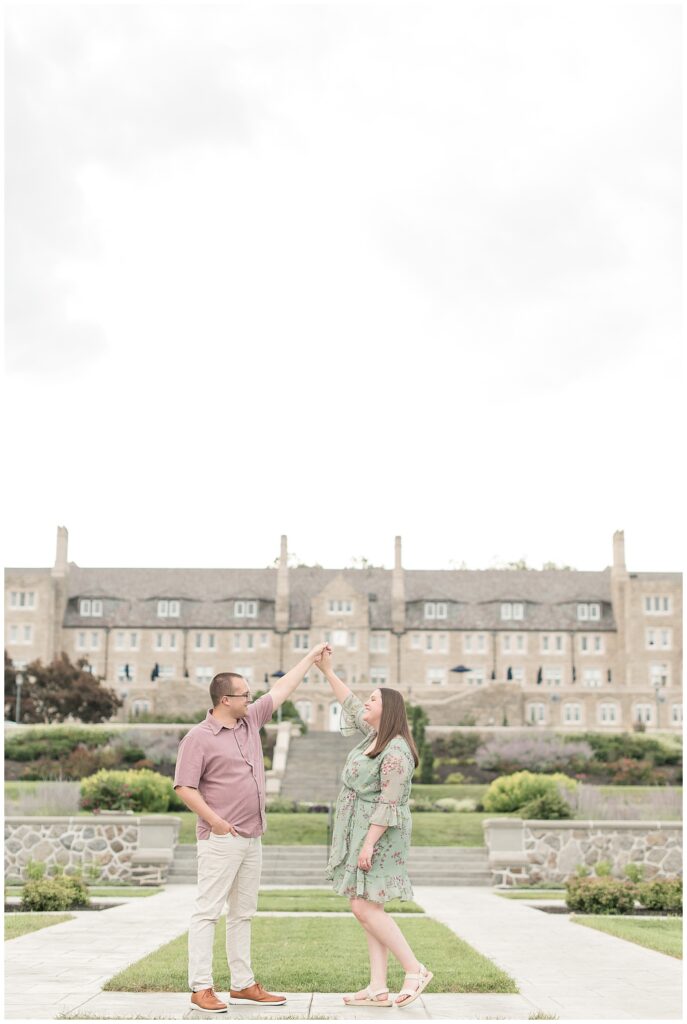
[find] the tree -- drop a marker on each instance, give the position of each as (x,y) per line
(60,690)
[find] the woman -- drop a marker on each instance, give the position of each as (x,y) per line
(371,838)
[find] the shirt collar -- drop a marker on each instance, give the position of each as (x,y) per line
(216,725)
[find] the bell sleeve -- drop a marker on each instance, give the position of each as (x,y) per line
(394,774)
(352,711)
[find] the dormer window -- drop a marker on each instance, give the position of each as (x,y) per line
(89,607)
(245,609)
(436,609)
(340,607)
(512,610)
(167,609)
(588,611)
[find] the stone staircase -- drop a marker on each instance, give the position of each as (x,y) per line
(314,766)
(304,865)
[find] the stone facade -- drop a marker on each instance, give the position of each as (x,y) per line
(534,852)
(125,848)
(554,648)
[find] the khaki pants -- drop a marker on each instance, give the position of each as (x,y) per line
(228,873)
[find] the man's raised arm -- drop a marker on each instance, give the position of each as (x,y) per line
(285,686)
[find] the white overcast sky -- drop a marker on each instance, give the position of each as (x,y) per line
(343,271)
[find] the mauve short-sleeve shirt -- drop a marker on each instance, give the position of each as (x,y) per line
(226,767)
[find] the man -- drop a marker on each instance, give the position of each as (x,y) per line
(220,776)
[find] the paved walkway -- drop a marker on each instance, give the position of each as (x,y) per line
(561,968)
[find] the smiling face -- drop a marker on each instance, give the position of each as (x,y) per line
(373,709)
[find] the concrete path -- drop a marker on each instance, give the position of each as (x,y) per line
(561,968)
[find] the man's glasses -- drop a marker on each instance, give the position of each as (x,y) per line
(241,696)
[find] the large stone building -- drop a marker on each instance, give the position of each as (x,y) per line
(555,648)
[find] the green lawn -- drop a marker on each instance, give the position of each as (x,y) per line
(22,924)
(664,935)
(322,900)
(457,790)
(319,955)
(430,828)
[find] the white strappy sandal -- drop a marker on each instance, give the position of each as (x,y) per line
(424,977)
(370,1000)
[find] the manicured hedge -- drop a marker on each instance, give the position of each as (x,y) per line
(142,791)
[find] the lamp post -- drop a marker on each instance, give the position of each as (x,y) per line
(657,684)
(18,682)
(277,675)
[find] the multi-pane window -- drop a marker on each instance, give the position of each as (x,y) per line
(337,607)
(658,674)
(90,607)
(166,671)
(86,641)
(304,709)
(22,599)
(436,609)
(536,713)
(301,642)
(474,642)
(592,678)
(160,641)
(657,604)
(21,634)
(512,610)
(245,609)
(126,672)
(264,639)
(204,674)
(379,643)
(644,713)
(553,675)
(475,677)
(352,641)
(662,638)
(552,643)
(518,675)
(588,611)
(513,642)
(339,637)
(676,714)
(379,676)
(607,713)
(436,676)
(250,641)
(416,641)
(572,712)
(591,644)
(125,640)
(167,609)
(236,642)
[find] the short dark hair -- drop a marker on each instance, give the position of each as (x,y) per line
(222,686)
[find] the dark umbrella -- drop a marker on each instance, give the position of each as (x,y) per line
(460,668)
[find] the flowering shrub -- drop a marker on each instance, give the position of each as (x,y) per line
(661,894)
(513,792)
(542,753)
(54,894)
(600,895)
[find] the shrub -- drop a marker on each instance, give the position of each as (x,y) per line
(609,747)
(512,792)
(547,806)
(541,754)
(661,894)
(54,894)
(603,868)
(448,803)
(141,791)
(278,805)
(600,896)
(627,771)
(456,777)
(35,870)
(582,871)
(132,754)
(635,872)
(53,743)
(420,805)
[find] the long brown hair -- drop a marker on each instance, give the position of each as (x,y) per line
(394,722)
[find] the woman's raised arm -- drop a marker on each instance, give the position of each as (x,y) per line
(324,663)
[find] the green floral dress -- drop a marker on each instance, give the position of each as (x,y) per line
(375,792)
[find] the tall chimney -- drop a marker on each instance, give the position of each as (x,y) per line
(60,567)
(619,550)
(281,618)
(398,592)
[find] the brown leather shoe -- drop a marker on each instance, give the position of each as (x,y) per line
(205,999)
(254,994)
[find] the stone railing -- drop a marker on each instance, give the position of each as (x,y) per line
(274,777)
(525,852)
(134,850)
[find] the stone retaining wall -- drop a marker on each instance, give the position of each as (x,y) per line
(531,852)
(126,848)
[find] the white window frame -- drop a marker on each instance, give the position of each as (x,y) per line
(85,607)
(352,640)
(264,639)
(121,670)
(592,678)
(518,610)
(582,612)
(568,716)
(416,641)
(379,643)
(505,643)
(442,639)
(204,674)
(379,676)
(97,609)
(436,676)
(24,599)
(80,643)
(27,636)
(676,714)
(536,712)
(476,677)
(174,609)
(166,671)
(250,641)
(304,709)
(506,610)
(140,706)
(442,610)
(519,675)
(429,643)
(120,640)
(607,713)
(657,604)
(251,609)
(301,641)
(159,642)
(339,638)
(430,610)
(659,672)
(552,675)
(643,713)
(162,609)
(14,633)
(95,640)
(236,642)
(337,606)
